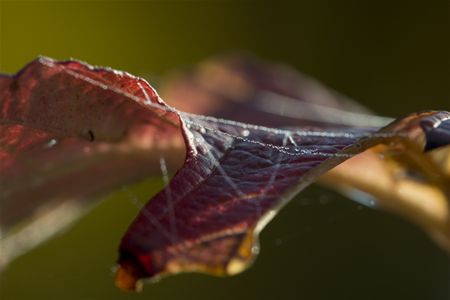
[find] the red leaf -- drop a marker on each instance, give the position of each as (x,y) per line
(404,180)
(237,176)
(71,132)
(234,180)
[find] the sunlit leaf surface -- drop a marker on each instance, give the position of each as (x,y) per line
(405,180)
(71,132)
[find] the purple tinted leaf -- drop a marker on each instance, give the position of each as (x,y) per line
(235,179)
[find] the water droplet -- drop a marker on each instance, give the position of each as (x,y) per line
(52,143)
(245,132)
(202,130)
(202,150)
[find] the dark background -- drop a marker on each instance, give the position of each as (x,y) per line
(394,57)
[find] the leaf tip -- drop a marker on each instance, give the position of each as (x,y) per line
(236,266)
(128,276)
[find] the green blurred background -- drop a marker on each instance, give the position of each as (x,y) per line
(392,56)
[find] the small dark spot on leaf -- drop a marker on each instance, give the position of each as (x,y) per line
(91,135)
(14,86)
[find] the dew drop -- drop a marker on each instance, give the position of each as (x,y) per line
(51,143)
(202,150)
(245,132)
(202,130)
(255,250)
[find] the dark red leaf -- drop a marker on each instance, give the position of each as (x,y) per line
(406,180)
(234,180)
(71,132)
